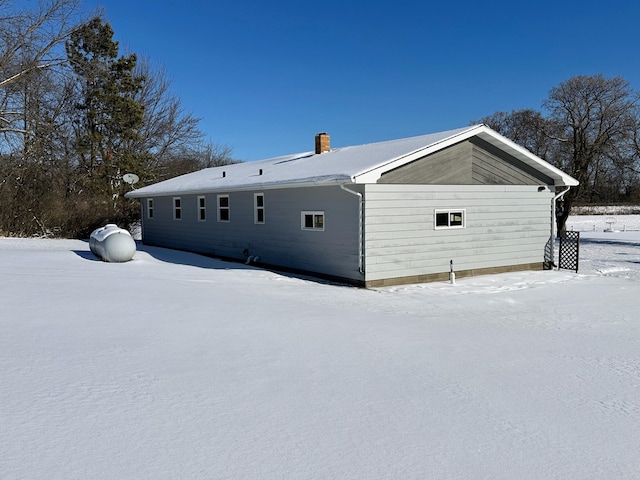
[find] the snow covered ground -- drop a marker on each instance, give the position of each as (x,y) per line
(175,365)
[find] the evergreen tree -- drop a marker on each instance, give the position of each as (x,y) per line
(107,128)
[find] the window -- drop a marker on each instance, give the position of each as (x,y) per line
(149,207)
(223,208)
(177,208)
(202,209)
(450,218)
(312,221)
(258,202)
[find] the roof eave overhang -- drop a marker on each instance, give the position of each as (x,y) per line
(326,182)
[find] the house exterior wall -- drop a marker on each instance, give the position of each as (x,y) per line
(279,241)
(505,227)
(472,162)
(492,166)
(451,166)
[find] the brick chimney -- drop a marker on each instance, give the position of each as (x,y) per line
(323,143)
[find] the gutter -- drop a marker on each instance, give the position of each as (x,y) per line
(314,182)
(554,223)
(361,264)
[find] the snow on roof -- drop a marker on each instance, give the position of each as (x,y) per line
(356,164)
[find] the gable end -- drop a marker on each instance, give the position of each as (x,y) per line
(449,166)
(492,166)
(470,162)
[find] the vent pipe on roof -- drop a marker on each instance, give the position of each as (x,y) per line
(323,143)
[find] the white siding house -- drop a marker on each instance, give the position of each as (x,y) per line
(378,214)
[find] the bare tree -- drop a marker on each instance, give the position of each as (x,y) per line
(527,128)
(167,127)
(171,135)
(30,40)
(186,160)
(65,139)
(33,107)
(595,119)
(591,131)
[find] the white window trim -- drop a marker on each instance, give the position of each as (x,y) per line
(449,211)
(177,209)
(228,208)
(312,212)
(150,211)
(202,208)
(256,208)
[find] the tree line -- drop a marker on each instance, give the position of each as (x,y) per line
(589,127)
(76,115)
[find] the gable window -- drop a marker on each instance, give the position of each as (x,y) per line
(258,213)
(224,213)
(450,219)
(177,208)
(202,209)
(149,207)
(312,221)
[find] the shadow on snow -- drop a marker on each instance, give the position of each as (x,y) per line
(602,241)
(182,257)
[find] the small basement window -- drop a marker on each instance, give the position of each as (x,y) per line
(312,221)
(149,208)
(258,201)
(450,219)
(177,208)
(224,209)
(202,209)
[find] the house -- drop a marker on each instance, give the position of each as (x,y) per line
(400,211)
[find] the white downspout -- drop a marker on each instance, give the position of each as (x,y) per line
(554,223)
(360,227)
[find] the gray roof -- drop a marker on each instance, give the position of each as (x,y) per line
(356,164)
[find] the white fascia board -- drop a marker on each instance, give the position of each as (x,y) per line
(372,176)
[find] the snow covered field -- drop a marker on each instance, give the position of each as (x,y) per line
(175,365)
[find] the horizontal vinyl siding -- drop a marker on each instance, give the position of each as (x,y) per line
(505,225)
(453,165)
(491,170)
(279,241)
(472,162)
(494,167)
(187,233)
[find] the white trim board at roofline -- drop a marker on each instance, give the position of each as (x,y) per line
(483,132)
(363,164)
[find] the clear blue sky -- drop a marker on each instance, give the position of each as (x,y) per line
(265,77)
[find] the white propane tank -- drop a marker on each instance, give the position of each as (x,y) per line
(112,244)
